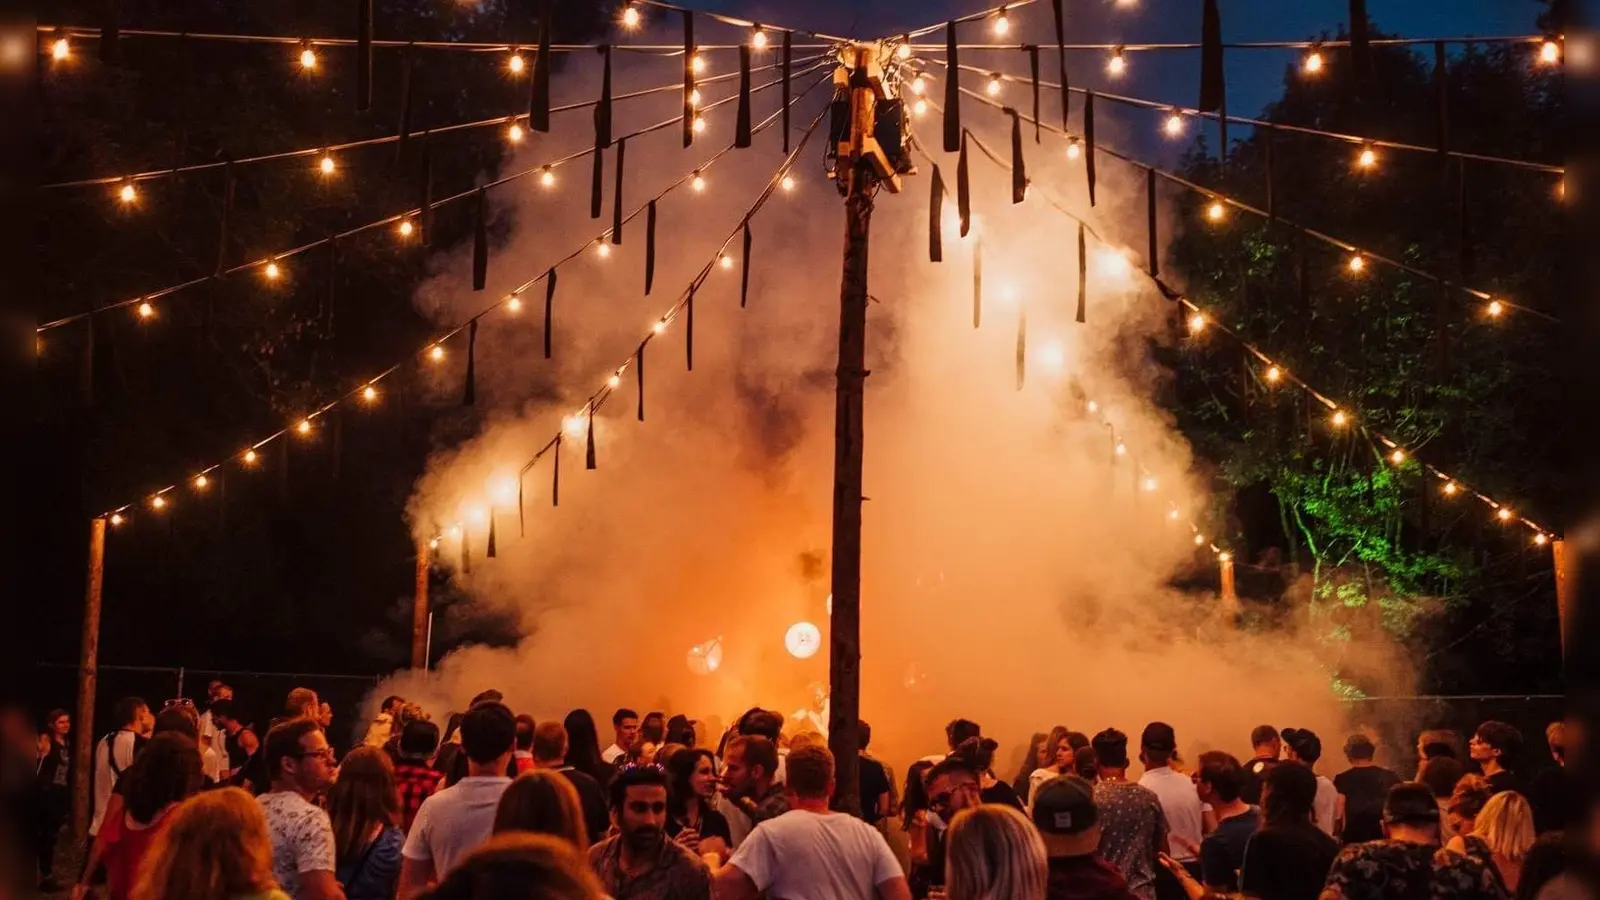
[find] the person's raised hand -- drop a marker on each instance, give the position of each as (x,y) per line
(1193,889)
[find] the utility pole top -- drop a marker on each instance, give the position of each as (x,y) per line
(868,120)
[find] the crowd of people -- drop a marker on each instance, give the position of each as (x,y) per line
(195,805)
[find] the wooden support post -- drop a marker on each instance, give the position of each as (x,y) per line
(1566,586)
(1230,593)
(88,675)
(419,613)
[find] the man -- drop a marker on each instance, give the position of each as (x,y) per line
(810,852)
(625,725)
(1327,810)
(877,785)
(115,752)
(1218,781)
(299,763)
(1133,827)
(210,732)
(1180,804)
(549,751)
(749,776)
(54,794)
(522,756)
(414,777)
(1064,812)
(654,728)
(302,702)
(239,743)
(1288,858)
(454,821)
(1494,747)
(638,862)
(1552,791)
(1268,746)
(1363,788)
(1408,862)
(383,726)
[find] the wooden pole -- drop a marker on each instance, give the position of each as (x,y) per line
(88,675)
(1230,594)
(844,663)
(419,612)
(1566,586)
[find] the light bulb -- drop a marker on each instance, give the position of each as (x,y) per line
(575,425)
(1450,489)
(603,249)
(1398,456)
(1368,158)
(60,49)
(1117,65)
(697,63)
(1197,323)
(694,97)
(1549,52)
(787,183)
(919,85)
(1503,514)
(369,393)
(1150,483)
(759,39)
(920,107)
(158,502)
(1074,150)
(327,165)
(516,64)
(1199,539)
(1174,124)
(116,519)
(146,311)
(1274,374)
(699,124)
(1313,62)
(406,228)
(436,353)
(249,457)
(513,304)
(1358,263)
(903,51)
(994,85)
(698,182)
(547,177)
(725,261)
(304,427)
(1216,211)
(272,271)
(1172,515)
(1122,449)
(1340,419)
(514,133)
(1541,539)
(433,543)
(200,482)
(659,326)
(1495,309)
(128,194)
(1002,23)
(1224,556)
(613,381)
(1093,406)
(630,16)
(308,59)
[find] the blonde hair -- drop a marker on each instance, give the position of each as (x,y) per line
(993,852)
(534,866)
(542,801)
(214,847)
(1506,824)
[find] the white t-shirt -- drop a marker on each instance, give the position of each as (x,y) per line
(803,855)
(1181,804)
(453,822)
(302,838)
(105,777)
(612,753)
(1326,806)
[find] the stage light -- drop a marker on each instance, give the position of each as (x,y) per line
(200,482)
(272,271)
(436,352)
(146,311)
(454,532)
(1174,124)
(128,193)
(1117,65)
(369,393)
(1074,150)
(405,228)
(1002,23)
(1357,264)
(1313,62)
(1094,407)
(547,177)
(503,490)
(630,16)
(1172,515)
(919,85)
(1224,556)
(1216,211)
(433,543)
(1503,514)
(803,640)
(60,49)
(994,86)
(1367,158)
(514,133)
(1398,456)
(1549,52)
(1199,539)
(698,182)
(308,59)
(1495,309)
(516,64)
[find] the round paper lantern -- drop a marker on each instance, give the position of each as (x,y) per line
(703,659)
(803,640)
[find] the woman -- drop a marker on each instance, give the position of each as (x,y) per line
(1441,775)
(164,773)
(214,847)
(1058,756)
(364,806)
(993,852)
(543,801)
(449,759)
(583,747)
(1086,764)
(1034,759)
(979,751)
(691,820)
(914,821)
(523,866)
(1501,837)
(1472,793)
(642,753)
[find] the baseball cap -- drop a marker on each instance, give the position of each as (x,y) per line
(1159,736)
(1064,805)
(1411,802)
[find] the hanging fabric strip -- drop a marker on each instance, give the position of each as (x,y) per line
(1061,57)
(602,109)
(469,392)
(650,248)
(1083,274)
(86,373)
(953,136)
(688,329)
(539,93)
(1154,261)
(425,200)
(1441,96)
(1022,348)
(1360,42)
(407,79)
(492,549)
(788,64)
(522,522)
(936,218)
(1019,169)
(1269,138)
(1033,67)
(229,183)
(638,372)
(977,283)
(1213,83)
(744,267)
(480,240)
(588,452)
(963,189)
(1088,141)
(741,127)
(111,33)
(596,187)
(555,474)
(549,304)
(363,55)
(616,198)
(688,78)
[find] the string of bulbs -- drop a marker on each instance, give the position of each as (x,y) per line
(1357,259)
(271,267)
(367,392)
(633,17)
(1341,416)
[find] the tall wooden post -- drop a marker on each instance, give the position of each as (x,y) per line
(1230,593)
(88,675)
(419,610)
(1566,586)
(844,663)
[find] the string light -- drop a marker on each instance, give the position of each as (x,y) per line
(1503,514)
(1224,556)
(433,543)
(699,124)
(1495,309)
(1150,483)
(1199,539)
(249,457)
(406,228)
(1174,124)
(603,249)
(1074,150)
(575,425)
(547,177)
(1398,456)
(1357,264)
(60,50)
(613,381)
(994,86)
(903,51)
(514,133)
(116,519)
(1216,211)
(919,85)
(1274,374)
(1367,158)
(327,165)
(759,39)
(436,352)
(920,107)
(724,260)
(659,326)
(514,304)
(1541,539)
(1093,406)
(1197,323)
(1172,515)
(1116,65)
(200,482)
(1122,449)
(128,193)
(694,97)
(630,16)
(1549,52)
(697,63)
(454,532)
(787,183)
(308,58)
(1340,419)
(369,393)
(1002,23)
(304,427)
(1313,62)
(146,311)
(272,271)
(698,182)
(1450,489)
(516,64)
(158,502)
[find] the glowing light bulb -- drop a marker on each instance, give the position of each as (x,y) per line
(1368,158)
(516,64)
(308,59)
(250,457)
(1274,374)
(369,393)
(699,125)
(725,261)
(1340,419)
(1224,556)
(1172,515)
(920,107)
(613,381)
(1313,62)
(575,425)
(1002,24)
(503,490)
(903,51)
(146,311)
(1398,456)
(454,532)
(116,519)
(694,97)
(659,326)
(405,228)
(1541,539)
(514,133)
(1358,264)
(1199,539)
(1495,309)
(697,63)
(1549,52)
(1216,211)
(200,482)
(272,271)
(698,182)
(1117,65)
(436,353)
(603,249)
(759,39)
(478,516)
(1122,449)
(547,177)
(994,86)
(1093,406)
(60,49)
(1074,150)
(787,183)
(433,543)
(514,304)
(1174,124)
(1150,484)
(919,85)
(630,16)
(128,193)
(1503,514)
(304,427)
(158,502)
(327,165)
(1450,489)
(1197,323)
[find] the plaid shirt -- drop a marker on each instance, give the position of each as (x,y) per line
(415,782)
(677,874)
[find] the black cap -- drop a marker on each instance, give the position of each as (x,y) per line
(1160,737)
(1411,803)
(1064,805)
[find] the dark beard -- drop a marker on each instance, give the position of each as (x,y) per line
(643,841)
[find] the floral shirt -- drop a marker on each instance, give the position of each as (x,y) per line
(1132,829)
(677,875)
(302,838)
(1399,870)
